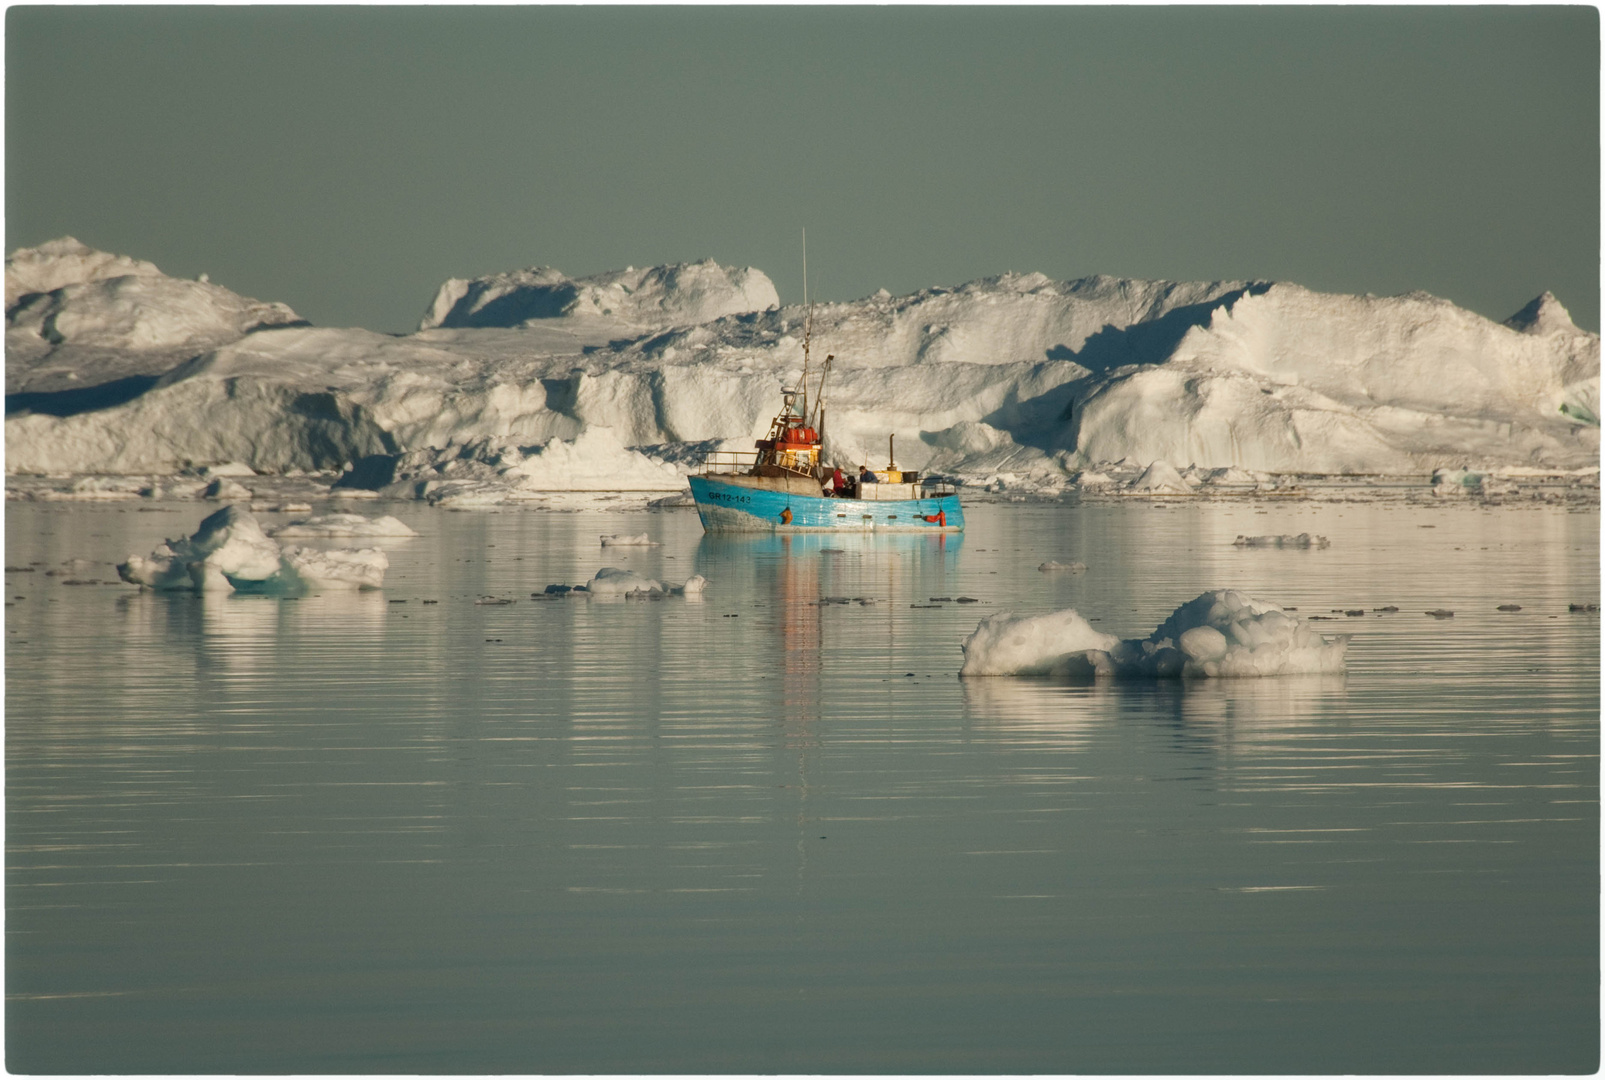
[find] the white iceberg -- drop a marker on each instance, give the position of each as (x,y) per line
(1218,635)
(229,552)
(1009,644)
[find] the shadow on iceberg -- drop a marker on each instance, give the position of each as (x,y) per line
(1148,342)
(78,400)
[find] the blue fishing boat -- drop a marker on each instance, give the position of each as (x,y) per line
(784,487)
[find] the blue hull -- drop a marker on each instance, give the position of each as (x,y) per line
(726,507)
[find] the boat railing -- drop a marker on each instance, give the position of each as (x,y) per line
(729,461)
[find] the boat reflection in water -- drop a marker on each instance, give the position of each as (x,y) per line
(822,600)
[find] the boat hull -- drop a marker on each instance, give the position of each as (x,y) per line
(733,507)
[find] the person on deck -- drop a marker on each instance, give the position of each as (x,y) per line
(838,482)
(865,476)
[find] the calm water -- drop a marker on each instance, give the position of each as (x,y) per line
(758,834)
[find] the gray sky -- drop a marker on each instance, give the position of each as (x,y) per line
(347,160)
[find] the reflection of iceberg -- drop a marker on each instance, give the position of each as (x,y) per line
(1039,712)
(1245,715)
(1245,712)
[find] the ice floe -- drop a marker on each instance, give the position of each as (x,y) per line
(1054,567)
(1283,540)
(1220,634)
(229,552)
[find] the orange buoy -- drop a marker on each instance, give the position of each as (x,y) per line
(785,516)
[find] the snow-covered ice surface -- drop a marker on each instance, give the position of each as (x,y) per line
(338,524)
(230,552)
(1009,644)
(1220,634)
(530,382)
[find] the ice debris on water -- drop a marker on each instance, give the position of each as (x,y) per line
(1053,567)
(229,551)
(621,540)
(1224,633)
(1441,613)
(1285,540)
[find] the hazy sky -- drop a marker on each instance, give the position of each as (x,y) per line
(347,160)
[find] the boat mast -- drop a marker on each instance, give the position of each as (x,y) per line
(808,324)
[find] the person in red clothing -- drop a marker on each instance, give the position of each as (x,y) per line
(838,482)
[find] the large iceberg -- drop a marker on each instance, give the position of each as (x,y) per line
(1016,382)
(78,319)
(1220,634)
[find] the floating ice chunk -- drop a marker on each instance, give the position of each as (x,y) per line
(1009,644)
(229,543)
(1220,634)
(611,581)
(1052,567)
(225,489)
(693,586)
(344,525)
(229,551)
(620,540)
(1283,540)
(1160,478)
(1089,478)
